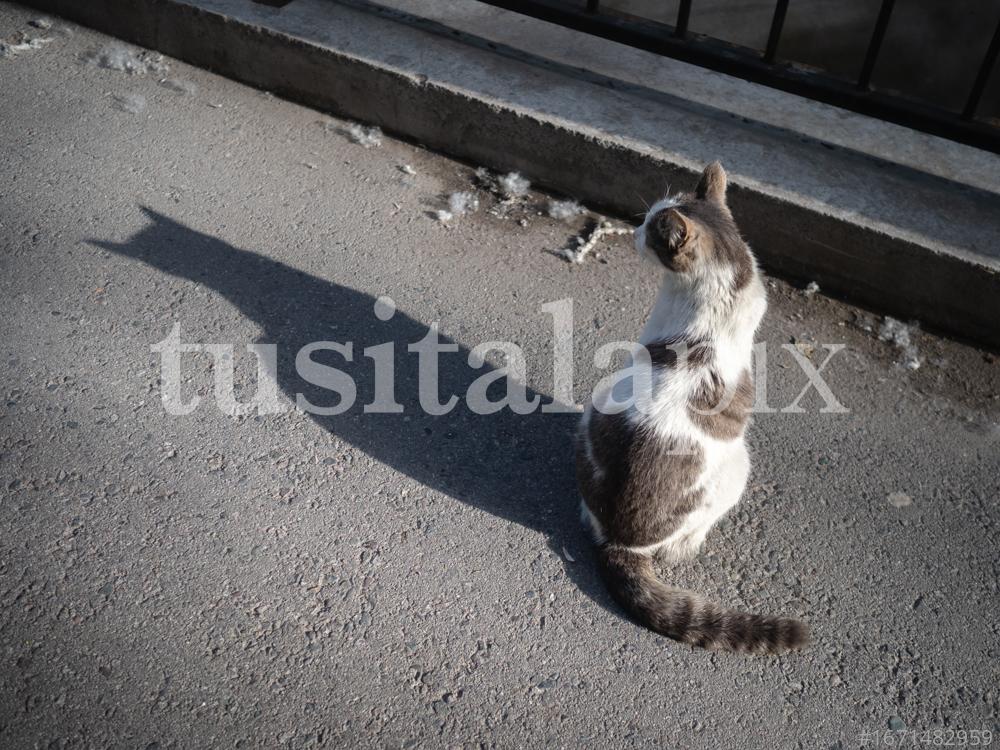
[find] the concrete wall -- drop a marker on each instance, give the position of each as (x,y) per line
(893,237)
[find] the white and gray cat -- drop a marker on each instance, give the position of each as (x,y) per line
(657,475)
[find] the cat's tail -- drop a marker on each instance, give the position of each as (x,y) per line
(686,616)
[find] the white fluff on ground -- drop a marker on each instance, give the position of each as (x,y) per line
(513,185)
(10,49)
(900,334)
(367,137)
(459,204)
(564,209)
(129,60)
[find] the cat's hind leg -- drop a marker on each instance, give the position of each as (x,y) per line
(722,490)
(725,489)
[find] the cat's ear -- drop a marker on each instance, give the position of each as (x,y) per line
(712,185)
(672,230)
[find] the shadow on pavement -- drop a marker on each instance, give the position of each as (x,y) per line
(517,467)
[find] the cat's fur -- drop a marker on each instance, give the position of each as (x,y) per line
(658,475)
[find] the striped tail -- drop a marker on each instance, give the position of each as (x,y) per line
(688,617)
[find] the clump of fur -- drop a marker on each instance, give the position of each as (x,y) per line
(564,210)
(459,204)
(900,335)
(367,137)
(513,185)
(23,44)
(508,187)
(116,56)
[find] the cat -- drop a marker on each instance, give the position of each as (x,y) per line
(658,472)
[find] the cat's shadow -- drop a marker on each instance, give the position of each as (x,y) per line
(516,467)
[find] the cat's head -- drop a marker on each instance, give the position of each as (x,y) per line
(694,233)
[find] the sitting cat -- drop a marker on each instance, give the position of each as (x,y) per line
(657,474)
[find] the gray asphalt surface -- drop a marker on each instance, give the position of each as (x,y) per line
(403,580)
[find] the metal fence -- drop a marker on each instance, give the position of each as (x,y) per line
(764,67)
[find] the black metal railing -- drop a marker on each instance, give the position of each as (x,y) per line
(678,42)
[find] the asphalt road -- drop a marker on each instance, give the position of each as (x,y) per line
(387,580)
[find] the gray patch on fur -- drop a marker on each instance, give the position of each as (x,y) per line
(722,409)
(647,486)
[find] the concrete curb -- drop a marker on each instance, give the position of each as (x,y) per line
(886,270)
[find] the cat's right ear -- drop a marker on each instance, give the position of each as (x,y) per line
(670,235)
(672,229)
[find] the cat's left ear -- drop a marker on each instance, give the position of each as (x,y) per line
(712,185)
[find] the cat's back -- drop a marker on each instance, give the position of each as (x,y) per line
(644,468)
